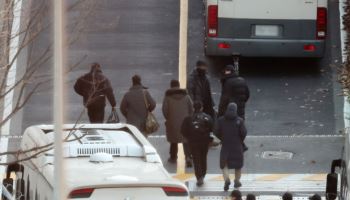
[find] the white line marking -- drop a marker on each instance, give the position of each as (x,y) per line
(271,136)
(11,80)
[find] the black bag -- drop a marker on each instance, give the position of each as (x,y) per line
(200,123)
(113,117)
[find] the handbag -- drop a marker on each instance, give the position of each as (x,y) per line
(113,117)
(151,124)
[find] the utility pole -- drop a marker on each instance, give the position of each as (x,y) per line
(59,58)
(182,68)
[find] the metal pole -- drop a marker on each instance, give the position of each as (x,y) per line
(182,69)
(59,189)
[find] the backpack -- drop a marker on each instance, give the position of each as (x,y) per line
(199,124)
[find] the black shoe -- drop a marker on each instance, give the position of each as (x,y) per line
(172,160)
(200,182)
(188,163)
(237,184)
(227,185)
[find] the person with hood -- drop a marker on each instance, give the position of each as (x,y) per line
(136,104)
(230,129)
(234,89)
(196,129)
(198,87)
(94,87)
(177,105)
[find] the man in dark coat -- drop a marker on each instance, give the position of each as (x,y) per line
(234,89)
(177,105)
(133,105)
(230,129)
(94,87)
(198,87)
(196,129)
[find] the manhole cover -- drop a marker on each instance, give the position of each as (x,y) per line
(277,155)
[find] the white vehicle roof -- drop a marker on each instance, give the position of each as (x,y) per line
(133,160)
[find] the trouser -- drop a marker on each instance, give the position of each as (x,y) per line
(96,114)
(174,149)
(199,155)
(226,174)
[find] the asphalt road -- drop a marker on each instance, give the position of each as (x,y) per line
(297,98)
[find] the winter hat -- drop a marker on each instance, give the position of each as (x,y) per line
(231,68)
(287,196)
(201,63)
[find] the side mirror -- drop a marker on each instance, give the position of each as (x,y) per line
(8,184)
(332,185)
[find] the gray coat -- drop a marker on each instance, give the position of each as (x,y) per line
(230,129)
(133,106)
(177,105)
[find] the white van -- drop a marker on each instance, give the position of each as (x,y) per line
(103,162)
(266,28)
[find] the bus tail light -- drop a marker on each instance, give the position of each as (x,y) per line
(309,47)
(212,20)
(224,45)
(81,193)
(175,191)
(321,23)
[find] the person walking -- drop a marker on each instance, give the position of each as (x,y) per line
(234,89)
(177,105)
(230,129)
(196,129)
(95,87)
(136,104)
(198,87)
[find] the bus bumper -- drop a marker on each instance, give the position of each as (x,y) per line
(265,47)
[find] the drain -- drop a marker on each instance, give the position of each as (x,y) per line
(277,155)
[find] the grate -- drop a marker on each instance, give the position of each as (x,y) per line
(90,151)
(277,155)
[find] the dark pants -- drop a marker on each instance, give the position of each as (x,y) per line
(174,149)
(96,114)
(199,155)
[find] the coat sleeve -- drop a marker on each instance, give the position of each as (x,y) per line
(110,94)
(124,106)
(165,108)
(151,102)
(242,130)
(224,99)
(78,87)
(212,104)
(247,92)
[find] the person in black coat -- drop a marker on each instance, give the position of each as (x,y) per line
(94,87)
(230,129)
(234,89)
(198,87)
(196,129)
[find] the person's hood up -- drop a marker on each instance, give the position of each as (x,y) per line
(196,72)
(176,93)
(231,111)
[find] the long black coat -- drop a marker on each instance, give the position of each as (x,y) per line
(95,88)
(230,129)
(198,87)
(234,89)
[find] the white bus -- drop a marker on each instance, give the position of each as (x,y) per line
(266,28)
(104,161)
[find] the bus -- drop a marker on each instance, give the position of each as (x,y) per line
(266,28)
(102,161)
